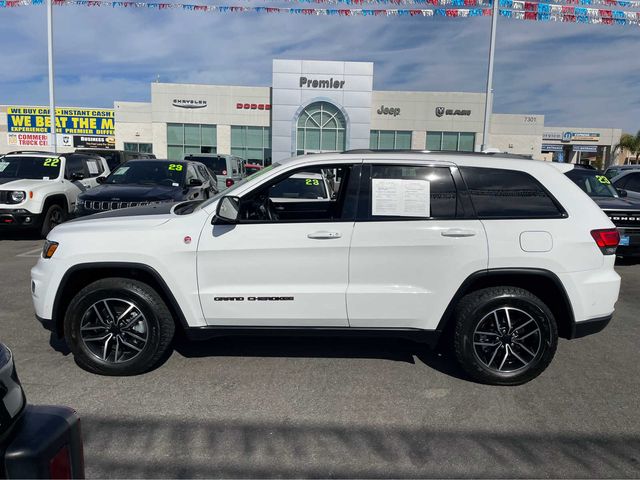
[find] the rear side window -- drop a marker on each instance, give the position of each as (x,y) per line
(409,192)
(498,193)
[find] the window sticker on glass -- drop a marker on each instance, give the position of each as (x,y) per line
(121,171)
(51,162)
(175,166)
(603,179)
(312,181)
(400,198)
(93,167)
(4,165)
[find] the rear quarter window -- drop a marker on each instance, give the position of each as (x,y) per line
(498,193)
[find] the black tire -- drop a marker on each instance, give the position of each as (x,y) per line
(54,215)
(507,319)
(156,326)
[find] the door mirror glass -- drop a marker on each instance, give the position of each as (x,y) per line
(228,210)
(101,179)
(195,182)
(75,176)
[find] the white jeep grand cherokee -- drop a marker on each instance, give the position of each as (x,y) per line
(497,255)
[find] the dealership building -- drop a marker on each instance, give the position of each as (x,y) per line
(318,106)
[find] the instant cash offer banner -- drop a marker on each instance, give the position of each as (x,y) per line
(69,121)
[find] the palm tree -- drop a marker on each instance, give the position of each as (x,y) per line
(630,143)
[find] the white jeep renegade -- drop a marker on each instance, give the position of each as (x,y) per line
(38,190)
(499,256)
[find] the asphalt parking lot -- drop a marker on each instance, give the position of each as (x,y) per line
(338,408)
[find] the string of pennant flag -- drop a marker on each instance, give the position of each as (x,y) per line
(516,9)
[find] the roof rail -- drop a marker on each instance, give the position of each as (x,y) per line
(490,153)
(17,152)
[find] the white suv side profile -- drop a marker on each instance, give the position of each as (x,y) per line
(498,256)
(38,190)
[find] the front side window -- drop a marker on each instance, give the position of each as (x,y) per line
(498,193)
(150,172)
(312,194)
(409,192)
(29,167)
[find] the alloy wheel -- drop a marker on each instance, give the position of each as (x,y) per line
(507,340)
(114,330)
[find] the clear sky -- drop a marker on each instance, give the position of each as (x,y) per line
(576,75)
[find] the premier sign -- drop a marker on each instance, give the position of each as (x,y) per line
(326,84)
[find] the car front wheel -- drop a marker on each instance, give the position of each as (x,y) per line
(504,335)
(118,326)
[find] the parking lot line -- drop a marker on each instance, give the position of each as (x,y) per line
(31,253)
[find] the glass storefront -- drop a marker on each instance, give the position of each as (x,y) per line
(251,143)
(451,141)
(321,128)
(186,138)
(390,140)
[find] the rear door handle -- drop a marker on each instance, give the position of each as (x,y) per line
(458,233)
(324,235)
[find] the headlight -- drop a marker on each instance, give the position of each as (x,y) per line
(17,197)
(49,249)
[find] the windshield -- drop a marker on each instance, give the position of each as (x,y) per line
(33,168)
(218,165)
(229,190)
(300,188)
(594,185)
(112,158)
(152,172)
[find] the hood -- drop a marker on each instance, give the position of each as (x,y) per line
(132,193)
(23,184)
(622,203)
(160,209)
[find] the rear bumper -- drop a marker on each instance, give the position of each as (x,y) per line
(19,218)
(589,327)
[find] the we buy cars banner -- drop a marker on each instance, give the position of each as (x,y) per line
(69,121)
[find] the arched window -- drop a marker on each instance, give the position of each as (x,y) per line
(321,128)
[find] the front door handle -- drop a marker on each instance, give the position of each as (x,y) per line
(324,235)
(458,233)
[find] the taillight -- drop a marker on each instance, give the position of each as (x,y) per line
(229,182)
(607,240)
(60,465)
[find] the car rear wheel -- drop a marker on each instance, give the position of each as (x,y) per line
(118,326)
(504,335)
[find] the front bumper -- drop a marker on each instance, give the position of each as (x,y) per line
(19,217)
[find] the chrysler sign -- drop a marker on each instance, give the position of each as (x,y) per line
(189,103)
(441,112)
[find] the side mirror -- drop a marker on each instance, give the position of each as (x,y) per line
(195,182)
(228,211)
(75,176)
(101,179)
(621,192)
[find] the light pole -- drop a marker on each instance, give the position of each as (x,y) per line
(488,101)
(52,101)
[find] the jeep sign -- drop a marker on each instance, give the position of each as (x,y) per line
(394,111)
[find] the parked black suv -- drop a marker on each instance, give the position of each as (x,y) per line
(622,207)
(115,157)
(144,182)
